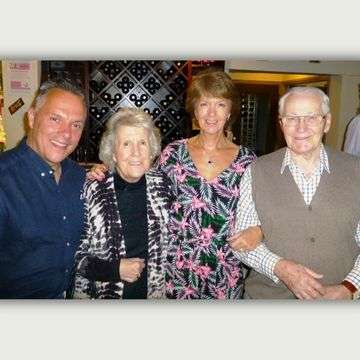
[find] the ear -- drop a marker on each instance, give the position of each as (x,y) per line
(114,158)
(31,117)
(327,123)
(281,124)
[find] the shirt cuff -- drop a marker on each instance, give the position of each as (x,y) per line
(268,265)
(354,277)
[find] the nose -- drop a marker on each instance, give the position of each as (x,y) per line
(301,125)
(211,109)
(135,150)
(65,130)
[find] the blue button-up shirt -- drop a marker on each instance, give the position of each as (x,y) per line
(40,224)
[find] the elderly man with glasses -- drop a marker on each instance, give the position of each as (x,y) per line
(306,199)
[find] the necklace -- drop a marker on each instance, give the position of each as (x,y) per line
(208,154)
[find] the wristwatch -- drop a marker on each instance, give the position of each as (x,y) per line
(355,293)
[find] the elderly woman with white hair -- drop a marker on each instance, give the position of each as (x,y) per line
(123,247)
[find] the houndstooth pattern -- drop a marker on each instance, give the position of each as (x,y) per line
(103,237)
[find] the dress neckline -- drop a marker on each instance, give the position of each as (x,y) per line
(219,174)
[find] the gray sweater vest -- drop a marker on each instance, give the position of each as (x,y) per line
(319,236)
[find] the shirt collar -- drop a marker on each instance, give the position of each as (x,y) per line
(324,161)
(122,184)
(36,162)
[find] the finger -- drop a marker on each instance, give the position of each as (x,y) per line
(313,273)
(312,294)
(319,289)
(300,295)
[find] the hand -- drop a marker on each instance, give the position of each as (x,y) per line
(130,269)
(246,240)
(299,279)
(336,292)
(97,172)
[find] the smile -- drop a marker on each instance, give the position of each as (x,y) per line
(58,144)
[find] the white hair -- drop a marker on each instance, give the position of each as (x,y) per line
(325,102)
(128,117)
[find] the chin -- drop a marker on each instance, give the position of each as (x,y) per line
(58,158)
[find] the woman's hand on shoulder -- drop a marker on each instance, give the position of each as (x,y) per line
(97,172)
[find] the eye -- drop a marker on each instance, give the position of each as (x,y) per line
(78,125)
(54,118)
(143,142)
(222,104)
(126,143)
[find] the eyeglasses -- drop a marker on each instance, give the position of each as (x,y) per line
(309,120)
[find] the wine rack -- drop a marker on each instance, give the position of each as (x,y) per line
(157,87)
(247,124)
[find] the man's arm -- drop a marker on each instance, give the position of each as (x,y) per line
(299,279)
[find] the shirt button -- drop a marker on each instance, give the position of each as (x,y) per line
(310,207)
(66,270)
(67,244)
(42,174)
(64,217)
(50,172)
(312,239)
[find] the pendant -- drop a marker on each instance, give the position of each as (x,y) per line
(210,162)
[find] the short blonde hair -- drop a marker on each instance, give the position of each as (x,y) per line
(128,117)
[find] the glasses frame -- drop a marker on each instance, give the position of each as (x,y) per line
(311,120)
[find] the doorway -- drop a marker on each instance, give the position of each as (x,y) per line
(257,126)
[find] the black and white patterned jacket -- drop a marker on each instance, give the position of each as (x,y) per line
(103,237)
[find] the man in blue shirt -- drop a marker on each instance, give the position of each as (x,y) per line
(41,212)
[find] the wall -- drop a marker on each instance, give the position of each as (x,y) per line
(343,90)
(19,81)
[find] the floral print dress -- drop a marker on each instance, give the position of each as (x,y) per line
(200,263)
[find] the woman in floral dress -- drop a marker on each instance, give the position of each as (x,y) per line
(205,173)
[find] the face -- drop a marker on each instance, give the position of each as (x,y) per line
(212,114)
(132,153)
(304,139)
(56,126)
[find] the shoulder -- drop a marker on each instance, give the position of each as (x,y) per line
(245,152)
(172,152)
(175,145)
(155,177)
(75,167)
(154,174)
(277,155)
(93,187)
(8,160)
(341,157)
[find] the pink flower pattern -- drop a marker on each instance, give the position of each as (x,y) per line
(200,264)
